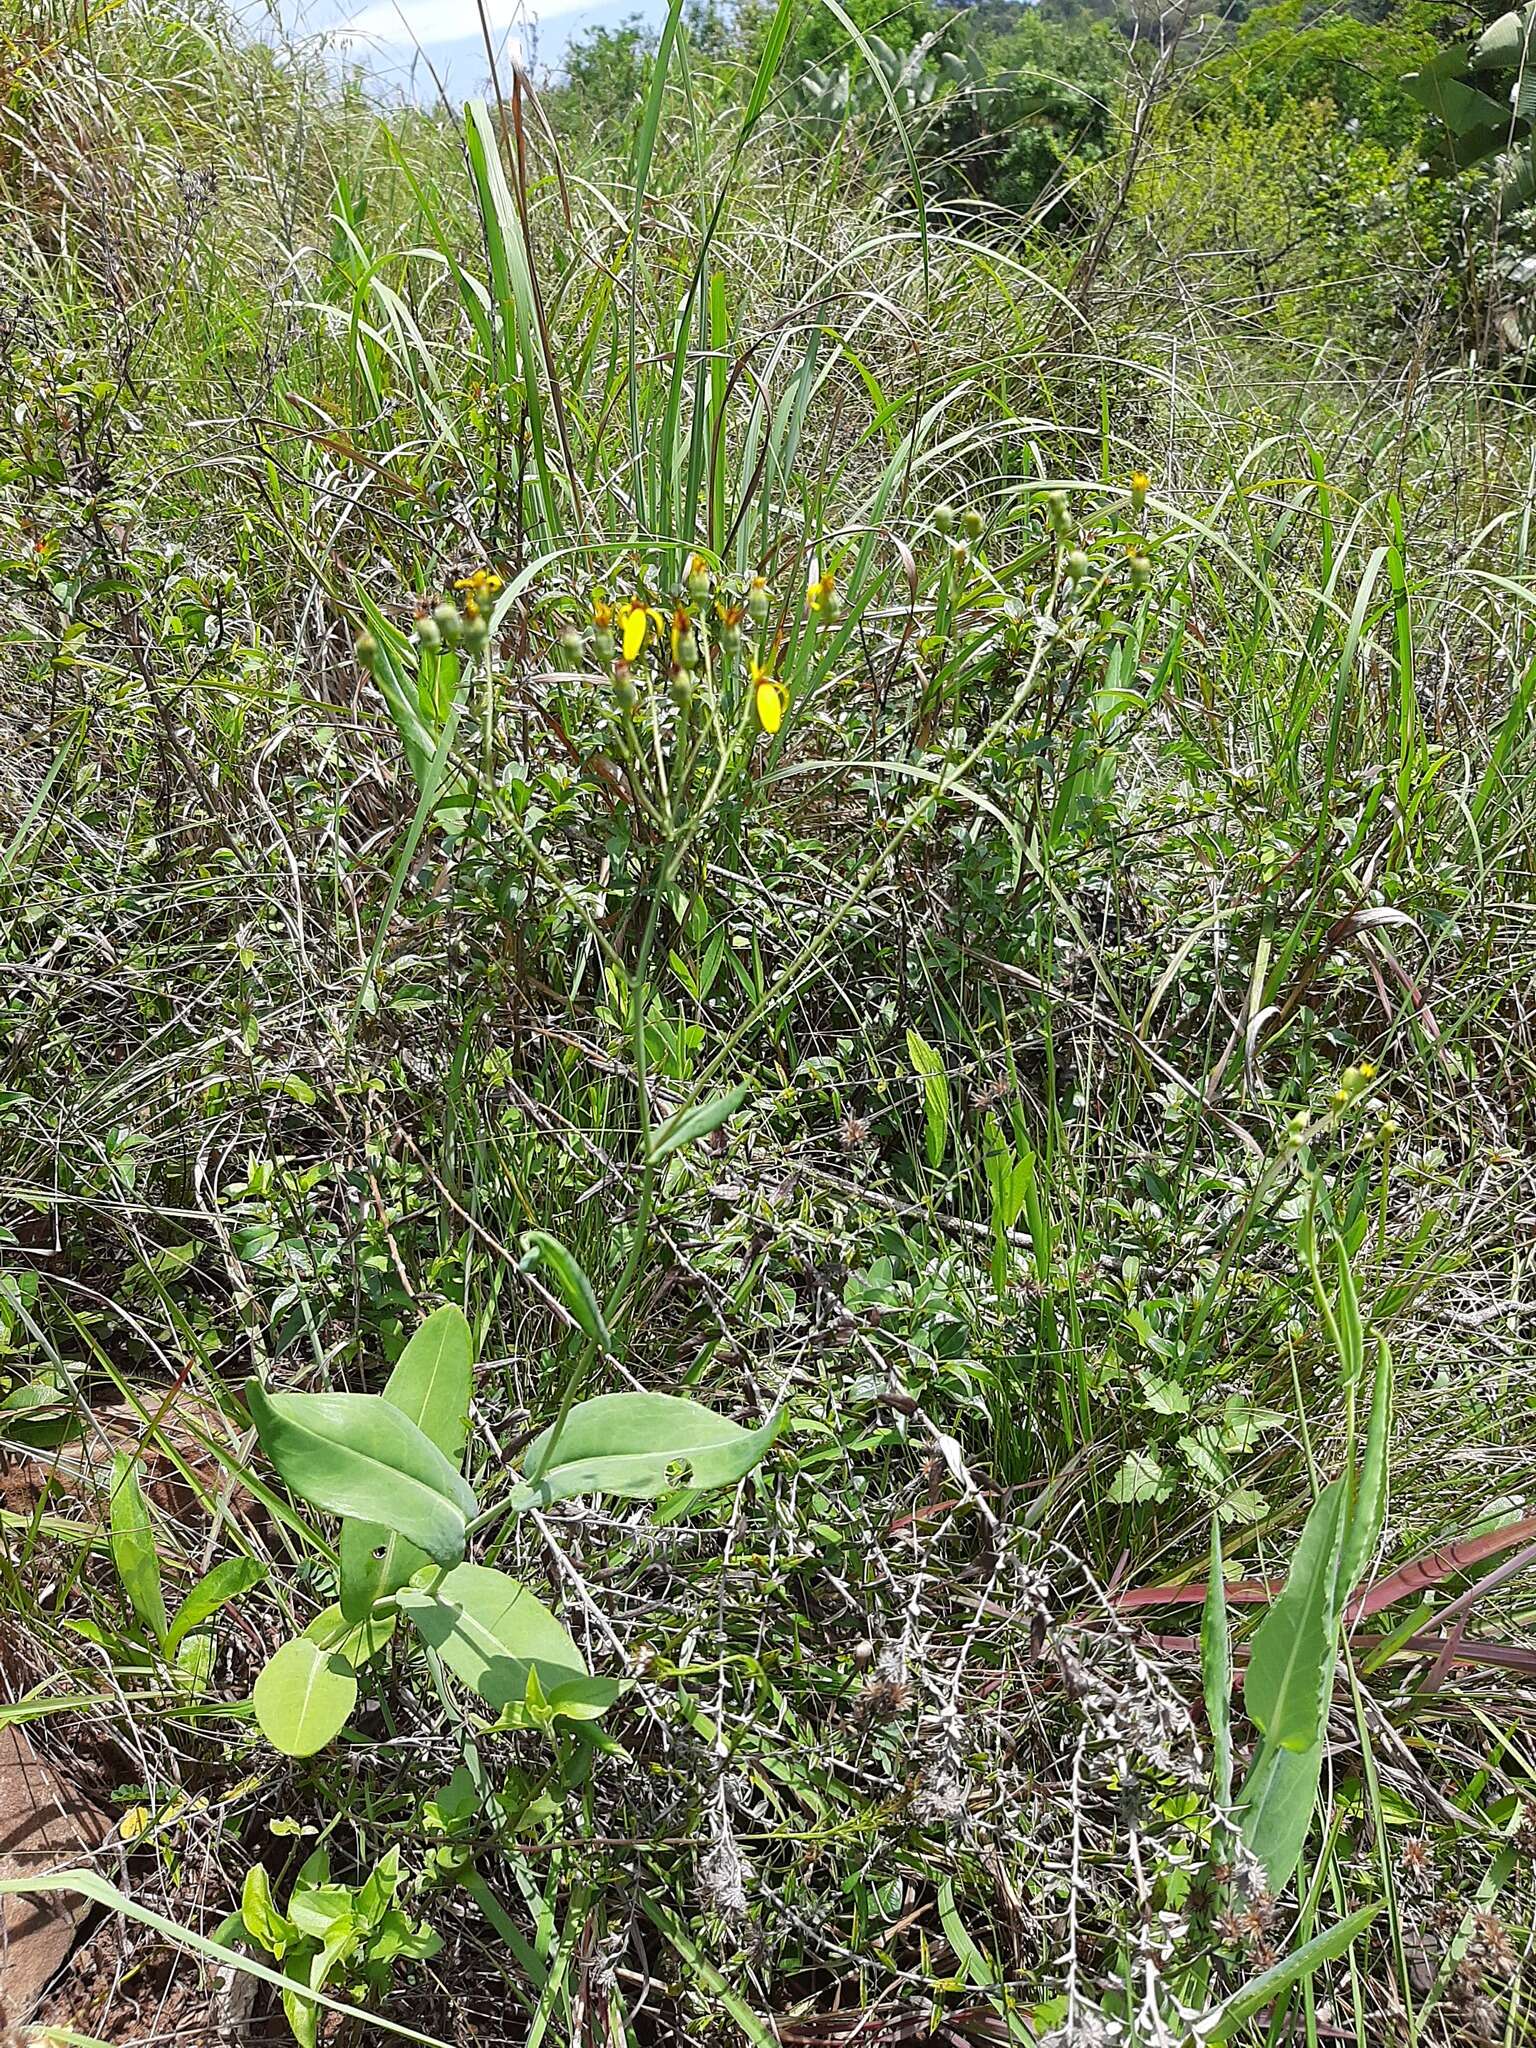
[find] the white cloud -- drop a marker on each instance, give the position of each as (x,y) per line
(430,22)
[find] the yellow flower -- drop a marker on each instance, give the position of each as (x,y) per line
(635,626)
(481,585)
(1141,483)
(602,613)
(822,594)
(770,697)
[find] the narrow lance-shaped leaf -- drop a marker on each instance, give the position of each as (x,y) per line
(1216,1671)
(928,1065)
(356,1454)
(1278,1799)
(691,1124)
(133,1545)
(227,1581)
(1369,1508)
(1293,1648)
(1294,1969)
(576,1290)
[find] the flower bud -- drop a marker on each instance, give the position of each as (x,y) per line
(1059,513)
(602,642)
(624,693)
(972,524)
(687,650)
(730,639)
(757,601)
(945,519)
(1141,483)
(445,617)
(366,648)
(680,689)
(1141,572)
(427,634)
(1076,565)
(959,554)
(477,636)
(573,646)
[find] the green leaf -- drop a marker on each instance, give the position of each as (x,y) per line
(576,1290)
(495,1635)
(929,1068)
(357,1642)
(1291,1666)
(1504,44)
(1216,1670)
(1273,1983)
(1278,1799)
(1369,1511)
(133,1545)
(259,1915)
(88,1885)
(431,1385)
(356,1454)
(226,1582)
(1142,1476)
(303,1697)
(633,1445)
(690,1124)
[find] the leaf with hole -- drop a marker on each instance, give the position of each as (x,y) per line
(639,1445)
(356,1454)
(303,1697)
(497,1636)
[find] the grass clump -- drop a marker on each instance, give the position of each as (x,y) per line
(766,1066)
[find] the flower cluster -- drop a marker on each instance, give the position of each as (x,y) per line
(708,637)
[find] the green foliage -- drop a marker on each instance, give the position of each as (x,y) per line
(1345,71)
(389,1464)
(827,766)
(332,1934)
(1289,1686)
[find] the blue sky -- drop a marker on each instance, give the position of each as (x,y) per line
(385,34)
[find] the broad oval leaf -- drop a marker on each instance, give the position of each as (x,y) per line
(356,1642)
(494,1634)
(639,1445)
(431,1385)
(356,1454)
(303,1697)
